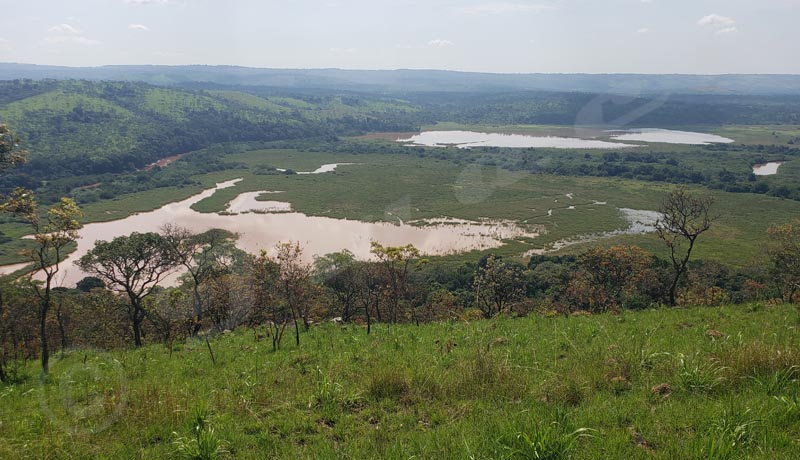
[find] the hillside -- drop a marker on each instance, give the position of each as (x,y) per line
(81,127)
(716,383)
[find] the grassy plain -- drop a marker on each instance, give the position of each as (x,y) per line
(391,186)
(714,383)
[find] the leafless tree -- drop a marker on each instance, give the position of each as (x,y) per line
(684,217)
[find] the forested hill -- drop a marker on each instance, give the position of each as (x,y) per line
(419,80)
(84,127)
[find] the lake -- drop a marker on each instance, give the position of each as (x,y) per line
(668,136)
(767,169)
(317,235)
(470,139)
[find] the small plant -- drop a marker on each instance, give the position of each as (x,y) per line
(732,432)
(778,381)
(703,377)
(203,443)
(788,408)
(544,442)
(390,384)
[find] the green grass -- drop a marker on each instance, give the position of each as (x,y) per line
(582,387)
(384,187)
(423,188)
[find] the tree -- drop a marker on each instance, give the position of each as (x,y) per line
(52,234)
(684,217)
(338,272)
(395,262)
(295,287)
(133,264)
(203,255)
(90,282)
(265,274)
(497,285)
(613,273)
(784,252)
(11,154)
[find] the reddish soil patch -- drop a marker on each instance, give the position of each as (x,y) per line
(164,162)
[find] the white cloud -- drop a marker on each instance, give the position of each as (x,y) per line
(65,33)
(65,29)
(439,42)
(643,30)
(145,2)
(138,27)
(342,50)
(507,7)
(71,39)
(716,20)
(727,30)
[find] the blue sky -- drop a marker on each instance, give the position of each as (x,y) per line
(601,36)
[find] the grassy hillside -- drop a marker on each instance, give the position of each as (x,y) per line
(694,383)
(81,127)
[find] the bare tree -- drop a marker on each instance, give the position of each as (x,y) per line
(133,264)
(684,217)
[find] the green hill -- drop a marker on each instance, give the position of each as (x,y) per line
(81,127)
(711,383)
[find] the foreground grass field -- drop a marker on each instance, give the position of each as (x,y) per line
(667,384)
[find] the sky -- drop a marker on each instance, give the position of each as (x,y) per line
(505,36)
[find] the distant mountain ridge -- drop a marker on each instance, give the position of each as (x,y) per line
(405,80)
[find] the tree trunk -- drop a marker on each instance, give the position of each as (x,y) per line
(198,309)
(43,334)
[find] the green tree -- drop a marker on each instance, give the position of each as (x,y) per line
(395,262)
(498,284)
(784,251)
(53,233)
(613,273)
(11,154)
(204,256)
(134,265)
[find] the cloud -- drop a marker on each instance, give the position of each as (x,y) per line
(342,50)
(439,42)
(716,20)
(727,30)
(65,33)
(145,2)
(71,39)
(643,30)
(506,7)
(65,29)
(138,27)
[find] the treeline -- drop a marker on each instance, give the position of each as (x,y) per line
(588,109)
(221,288)
(703,165)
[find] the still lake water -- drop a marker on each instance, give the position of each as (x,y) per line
(669,136)
(317,235)
(470,139)
(767,169)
